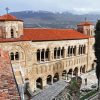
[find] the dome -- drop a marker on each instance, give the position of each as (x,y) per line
(8,17)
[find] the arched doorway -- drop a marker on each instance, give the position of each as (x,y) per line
(64,74)
(70,71)
(56,77)
(75,72)
(49,79)
(39,84)
(69,74)
(83,69)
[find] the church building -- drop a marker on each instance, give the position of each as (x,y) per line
(43,56)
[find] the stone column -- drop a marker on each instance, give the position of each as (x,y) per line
(40,55)
(56,53)
(44,82)
(77,50)
(60,53)
(65,53)
(50,55)
(44,55)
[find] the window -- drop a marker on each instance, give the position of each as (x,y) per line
(12,33)
(17,55)
(38,55)
(12,56)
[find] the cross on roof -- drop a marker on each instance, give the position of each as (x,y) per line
(7,9)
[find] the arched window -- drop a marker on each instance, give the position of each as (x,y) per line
(68,51)
(62,52)
(42,55)
(12,33)
(55,53)
(47,54)
(38,55)
(12,56)
(58,53)
(17,55)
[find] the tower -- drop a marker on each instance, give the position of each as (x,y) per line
(10,26)
(86,28)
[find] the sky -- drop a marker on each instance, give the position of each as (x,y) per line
(75,6)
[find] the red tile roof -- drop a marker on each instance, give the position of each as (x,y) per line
(8,86)
(85,24)
(8,17)
(33,34)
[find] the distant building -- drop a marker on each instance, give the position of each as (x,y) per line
(43,56)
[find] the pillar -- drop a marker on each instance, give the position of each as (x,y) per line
(65,53)
(44,55)
(60,53)
(44,82)
(40,55)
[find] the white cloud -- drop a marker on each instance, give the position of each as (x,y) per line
(50,5)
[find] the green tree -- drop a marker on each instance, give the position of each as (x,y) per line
(97,53)
(74,87)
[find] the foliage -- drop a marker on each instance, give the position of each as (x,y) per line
(97,48)
(88,95)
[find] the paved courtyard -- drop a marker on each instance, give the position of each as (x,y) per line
(91,79)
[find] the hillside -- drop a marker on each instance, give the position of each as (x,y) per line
(53,20)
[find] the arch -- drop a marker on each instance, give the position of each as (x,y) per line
(42,55)
(64,74)
(39,83)
(83,69)
(62,52)
(84,49)
(49,79)
(68,51)
(17,55)
(71,51)
(58,52)
(70,71)
(47,54)
(12,33)
(74,51)
(56,77)
(79,50)
(55,53)
(38,55)
(12,56)
(75,72)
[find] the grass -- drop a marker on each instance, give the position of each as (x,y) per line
(88,95)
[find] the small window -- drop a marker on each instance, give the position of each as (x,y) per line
(17,55)
(12,56)
(12,33)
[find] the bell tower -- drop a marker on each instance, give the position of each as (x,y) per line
(10,26)
(86,28)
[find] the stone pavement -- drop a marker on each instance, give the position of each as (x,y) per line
(91,79)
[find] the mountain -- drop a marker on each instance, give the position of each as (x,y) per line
(47,19)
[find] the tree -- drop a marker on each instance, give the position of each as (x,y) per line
(97,53)
(74,87)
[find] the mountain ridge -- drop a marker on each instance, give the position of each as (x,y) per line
(53,20)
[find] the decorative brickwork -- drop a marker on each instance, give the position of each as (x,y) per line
(8,88)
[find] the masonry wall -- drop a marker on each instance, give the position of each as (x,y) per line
(27,67)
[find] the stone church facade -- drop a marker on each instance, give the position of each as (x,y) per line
(44,56)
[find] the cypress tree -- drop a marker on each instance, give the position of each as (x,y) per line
(97,48)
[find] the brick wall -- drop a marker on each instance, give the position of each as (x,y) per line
(8,87)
